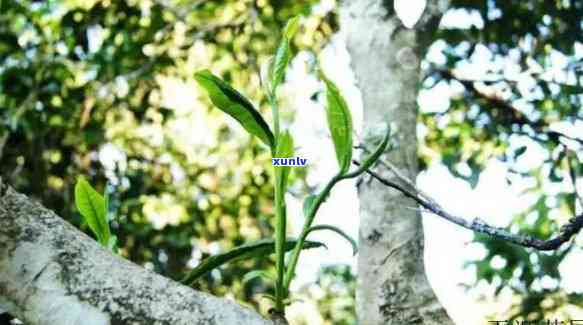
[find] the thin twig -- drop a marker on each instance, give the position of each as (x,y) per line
(400,176)
(559,134)
(513,113)
(566,232)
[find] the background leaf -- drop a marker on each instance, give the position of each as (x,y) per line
(233,103)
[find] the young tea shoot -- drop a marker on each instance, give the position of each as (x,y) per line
(281,145)
(93,207)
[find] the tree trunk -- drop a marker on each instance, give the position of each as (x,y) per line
(392,286)
(51,273)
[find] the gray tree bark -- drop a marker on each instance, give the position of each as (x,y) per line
(392,287)
(53,274)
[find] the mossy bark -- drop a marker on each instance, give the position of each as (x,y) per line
(51,273)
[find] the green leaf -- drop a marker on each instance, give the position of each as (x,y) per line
(233,103)
(92,207)
(285,146)
(291,27)
(269,297)
(278,66)
(260,248)
(572,163)
(106,203)
(112,244)
(258,274)
(519,152)
(266,76)
(287,301)
(339,123)
(282,56)
(339,232)
(309,202)
(370,160)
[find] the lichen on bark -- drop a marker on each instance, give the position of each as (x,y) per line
(392,287)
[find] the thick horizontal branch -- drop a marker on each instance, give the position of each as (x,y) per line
(51,273)
(566,232)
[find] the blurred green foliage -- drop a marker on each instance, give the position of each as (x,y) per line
(514,69)
(331,298)
(105,89)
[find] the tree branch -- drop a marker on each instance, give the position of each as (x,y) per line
(51,273)
(575,224)
(506,109)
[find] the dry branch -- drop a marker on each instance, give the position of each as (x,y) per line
(566,232)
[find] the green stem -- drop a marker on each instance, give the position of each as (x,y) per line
(310,219)
(305,230)
(280,232)
(280,218)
